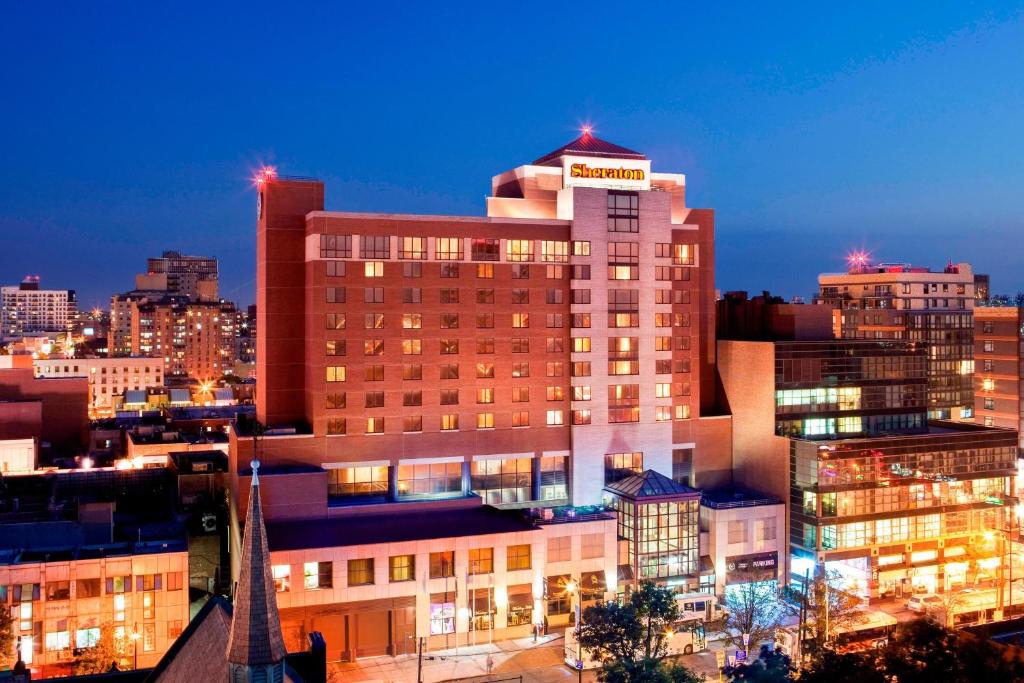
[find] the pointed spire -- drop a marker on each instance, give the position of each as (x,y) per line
(255,639)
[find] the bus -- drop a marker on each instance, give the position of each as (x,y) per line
(685,637)
(867,629)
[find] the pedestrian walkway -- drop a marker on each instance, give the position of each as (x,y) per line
(508,658)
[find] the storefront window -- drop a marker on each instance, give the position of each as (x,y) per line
(482,608)
(520,605)
(559,599)
(442,613)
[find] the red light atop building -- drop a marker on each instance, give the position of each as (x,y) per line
(587,129)
(265,175)
(857,259)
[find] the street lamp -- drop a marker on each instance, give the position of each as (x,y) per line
(574,603)
(135,644)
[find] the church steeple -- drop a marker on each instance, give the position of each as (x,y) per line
(256,649)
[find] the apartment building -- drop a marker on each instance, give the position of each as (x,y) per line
(900,301)
(411,365)
(109,378)
(191,276)
(27,309)
(997,378)
(61,599)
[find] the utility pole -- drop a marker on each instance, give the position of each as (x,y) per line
(419,661)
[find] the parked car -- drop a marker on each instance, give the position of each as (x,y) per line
(924,602)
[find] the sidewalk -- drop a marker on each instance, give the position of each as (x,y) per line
(508,658)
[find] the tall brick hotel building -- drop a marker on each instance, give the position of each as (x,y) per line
(421,376)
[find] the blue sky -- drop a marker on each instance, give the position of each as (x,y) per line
(812,129)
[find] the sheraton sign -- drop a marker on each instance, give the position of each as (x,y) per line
(623,174)
(584,171)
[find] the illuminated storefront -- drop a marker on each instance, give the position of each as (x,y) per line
(902,514)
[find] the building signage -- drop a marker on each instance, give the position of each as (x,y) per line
(623,174)
(747,568)
(584,171)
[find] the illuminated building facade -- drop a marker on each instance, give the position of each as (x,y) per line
(876,491)
(522,359)
(191,276)
(898,301)
(26,308)
(109,378)
(904,513)
(998,343)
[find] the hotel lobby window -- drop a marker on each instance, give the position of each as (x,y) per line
(502,481)
(554,477)
(357,482)
(433,480)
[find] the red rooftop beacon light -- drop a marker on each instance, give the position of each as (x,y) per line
(265,175)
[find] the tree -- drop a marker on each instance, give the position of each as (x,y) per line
(102,656)
(630,638)
(831,666)
(771,666)
(7,654)
(923,650)
(753,607)
(828,606)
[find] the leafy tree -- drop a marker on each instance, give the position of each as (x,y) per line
(648,671)
(7,654)
(101,657)
(630,638)
(925,651)
(752,607)
(771,666)
(830,666)
(829,606)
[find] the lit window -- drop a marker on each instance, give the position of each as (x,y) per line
(317,575)
(555,418)
(373,269)
(282,577)
(485,421)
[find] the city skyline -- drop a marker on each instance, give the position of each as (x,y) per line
(857,111)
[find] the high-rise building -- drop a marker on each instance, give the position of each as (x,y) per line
(879,495)
(981,289)
(998,366)
(185,275)
(899,301)
(27,309)
(554,355)
(195,339)
(575,322)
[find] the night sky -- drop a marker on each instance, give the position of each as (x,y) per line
(896,127)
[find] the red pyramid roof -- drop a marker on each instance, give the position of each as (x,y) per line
(590,145)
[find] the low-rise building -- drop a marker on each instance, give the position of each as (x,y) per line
(746,536)
(109,378)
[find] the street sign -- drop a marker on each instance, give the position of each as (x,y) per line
(741,655)
(579,664)
(720,658)
(746,641)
